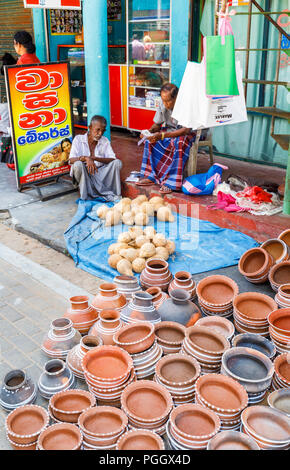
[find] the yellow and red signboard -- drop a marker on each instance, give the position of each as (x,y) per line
(67,4)
(41,119)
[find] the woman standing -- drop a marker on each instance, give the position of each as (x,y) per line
(24,47)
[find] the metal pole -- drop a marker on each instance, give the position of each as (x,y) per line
(248,48)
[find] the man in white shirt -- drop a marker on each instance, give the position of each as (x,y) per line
(94,166)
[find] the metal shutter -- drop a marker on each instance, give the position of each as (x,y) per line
(13,17)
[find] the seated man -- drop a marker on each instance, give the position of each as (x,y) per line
(167,150)
(94,165)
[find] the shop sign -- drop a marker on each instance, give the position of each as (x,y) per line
(40,110)
(68,4)
(114,10)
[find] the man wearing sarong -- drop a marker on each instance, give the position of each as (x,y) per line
(94,166)
(167,150)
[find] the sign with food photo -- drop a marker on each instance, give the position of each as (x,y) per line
(41,120)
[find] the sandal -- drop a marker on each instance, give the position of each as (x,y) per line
(144,182)
(165,190)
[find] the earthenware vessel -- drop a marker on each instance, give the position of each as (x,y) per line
(158,296)
(81,314)
(277,248)
(135,337)
(140,309)
(156,273)
(24,424)
(279,329)
(64,436)
(251,310)
(170,336)
(107,325)
(60,339)
(280,400)
(32,446)
(127,285)
(108,298)
(254,341)
(232,440)
(145,361)
(219,324)
(75,355)
(285,236)
(140,440)
(18,389)
(279,274)
(255,264)
(217,290)
(67,406)
(183,280)
(282,298)
(56,377)
(178,308)
(281,378)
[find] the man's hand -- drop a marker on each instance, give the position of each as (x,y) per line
(91,167)
(154,138)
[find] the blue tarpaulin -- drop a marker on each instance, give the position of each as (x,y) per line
(200,245)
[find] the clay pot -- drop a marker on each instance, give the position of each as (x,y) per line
(145,362)
(140,309)
(135,338)
(232,440)
(107,364)
(60,339)
(108,325)
(217,290)
(17,390)
(156,273)
(280,400)
(67,406)
(75,355)
(277,249)
(255,264)
(179,308)
(64,436)
(140,440)
(183,280)
(282,298)
(170,336)
(15,446)
(285,236)
(24,424)
(103,422)
(282,369)
(127,285)
(279,275)
(254,306)
(219,324)
(108,298)
(279,321)
(56,377)
(158,296)
(254,341)
(81,314)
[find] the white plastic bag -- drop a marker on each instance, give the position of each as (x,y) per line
(4,119)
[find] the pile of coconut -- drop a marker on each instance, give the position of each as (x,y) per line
(137,246)
(136,211)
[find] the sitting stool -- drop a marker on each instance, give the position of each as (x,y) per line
(190,168)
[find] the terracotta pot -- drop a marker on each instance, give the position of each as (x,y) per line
(140,309)
(158,296)
(108,324)
(75,355)
(24,424)
(254,341)
(183,280)
(56,377)
(279,321)
(67,406)
(156,273)
(127,285)
(60,339)
(255,262)
(140,440)
(178,308)
(170,336)
(16,446)
(232,440)
(282,368)
(279,275)
(219,324)
(277,249)
(103,422)
(206,340)
(108,298)
(217,290)
(81,314)
(280,400)
(254,305)
(64,436)
(144,362)
(285,236)
(107,364)
(282,298)
(135,338)
(17,390)
(177,370)
(194,423)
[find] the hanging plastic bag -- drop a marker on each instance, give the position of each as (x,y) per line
(204,183)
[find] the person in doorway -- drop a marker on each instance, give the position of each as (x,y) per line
(24,47)
(166,151)
(94,166)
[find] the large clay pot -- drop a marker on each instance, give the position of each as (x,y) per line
(179,308)
(81,314)
(75,356)
(156,273)
(127,285)
(140,308)
(17,390)
(183,280)
(56,377)
(108,298)
(60,339)
(108,324)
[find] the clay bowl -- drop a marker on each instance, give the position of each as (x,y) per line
(255,263)
(242,328)
(103,421)
(194,423)
(218,324)
(146,401)
(135,338)
(140,440)
(279,274)
(206,340)
(282,368)
(15,446)
(107,364)
(254,306)
(280,400)
(217,290)
(276,248)
(177,370)
(65,436)
(285,236)
(68,405)
(232,440)
(110,391)
(254,341)
(221,393)
(279,320)
(25,423)
(170,333)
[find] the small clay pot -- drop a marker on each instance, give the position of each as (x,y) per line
(81,314)
(135,338)
(179,308)
(107,325)
(255,264)
(279,274)
(56,377)
(158,296)
(64,436)
(108,298)
(282,368)
(279,321)
(127,285)
(282,298)
(17,390)
(254,305)
(285,236)
(107,364)
(140,309)
(254,341)
(140,440)
(170,336)
(24,424)
(194,422)
(156,273)
(277,249)
(280,400)
(219,324)
(217,290)
(177,370)
(67,406)
(103,422)
(183,280)
(60,339)
(206,340)
(232,440)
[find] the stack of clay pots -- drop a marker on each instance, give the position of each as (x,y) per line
(158,296)
(279,275)
(215,295)
(191,426)
(102,427)
(108,324)
(108,370)
(223,395)
(254,341)
(268,427)
(178,373)
(255,265)
(23,426)
(232,440)
(219,324)
(81,314)
(60,436)
(170,336)
(147,405)
(281,377)
(183,280)
(67,406)
(251,310)
(140,439)
(282,298)
(60,339)
(75,356)
(279,329)
(280,400)
(206,346)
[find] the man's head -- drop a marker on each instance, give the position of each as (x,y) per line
(168,94)
(97,127)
